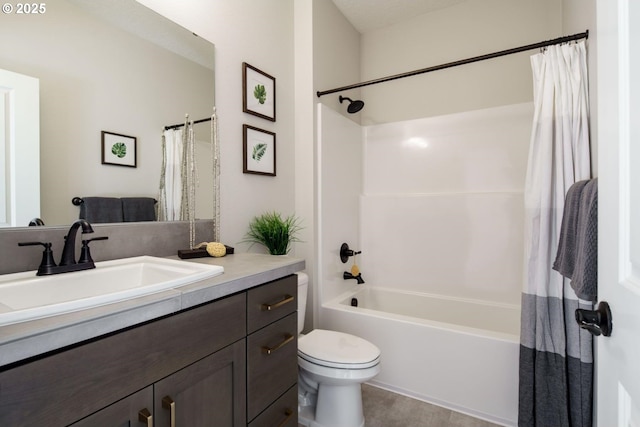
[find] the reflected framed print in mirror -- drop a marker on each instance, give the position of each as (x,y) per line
(119,150)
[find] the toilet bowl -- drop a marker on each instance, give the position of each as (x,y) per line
(331,367)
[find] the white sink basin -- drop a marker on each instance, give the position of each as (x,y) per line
(25,296)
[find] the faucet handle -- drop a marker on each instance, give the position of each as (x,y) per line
(85,253)
(345,253)
(47,262)
(35,244)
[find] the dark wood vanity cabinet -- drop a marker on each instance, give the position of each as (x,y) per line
(126,412)
(202,366)
(211,389)
(272,354)
(209,392)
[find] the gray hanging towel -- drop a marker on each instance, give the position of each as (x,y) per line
(567,245)
(577,256)
(138,209)
(585,273)
(101,209)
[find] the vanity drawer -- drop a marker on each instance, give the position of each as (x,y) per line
(272,363)
(272,301)
(282,413)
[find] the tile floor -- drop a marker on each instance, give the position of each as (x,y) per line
(386,409)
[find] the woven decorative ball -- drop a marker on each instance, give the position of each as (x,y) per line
(216,249)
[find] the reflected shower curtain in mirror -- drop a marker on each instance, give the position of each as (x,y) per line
(556,356)
(173,195)
(179,175)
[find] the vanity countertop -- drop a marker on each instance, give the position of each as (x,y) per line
(27,339)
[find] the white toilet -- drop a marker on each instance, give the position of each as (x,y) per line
(331,367)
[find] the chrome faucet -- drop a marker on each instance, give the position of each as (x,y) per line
(68,259)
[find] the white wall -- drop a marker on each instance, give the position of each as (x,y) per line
(327,53)
(261,34)
(578,16)
(458,32)
(305,164)
(337,55)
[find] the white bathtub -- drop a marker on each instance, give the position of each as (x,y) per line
(455,353)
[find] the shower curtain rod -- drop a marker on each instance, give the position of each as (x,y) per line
(538,45)
(208,119)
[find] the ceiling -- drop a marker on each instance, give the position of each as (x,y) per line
(366,15)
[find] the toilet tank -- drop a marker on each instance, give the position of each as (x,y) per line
(303,285)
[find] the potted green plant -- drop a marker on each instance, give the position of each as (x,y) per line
(274,232)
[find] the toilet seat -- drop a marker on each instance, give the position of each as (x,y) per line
(337,350)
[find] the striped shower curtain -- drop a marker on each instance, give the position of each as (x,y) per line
(556,357)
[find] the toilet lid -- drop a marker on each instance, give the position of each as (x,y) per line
(337,349)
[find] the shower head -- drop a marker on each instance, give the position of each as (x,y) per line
(354,106)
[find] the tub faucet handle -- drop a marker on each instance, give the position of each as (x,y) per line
(345,253)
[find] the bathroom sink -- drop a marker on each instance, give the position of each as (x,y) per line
(25,296)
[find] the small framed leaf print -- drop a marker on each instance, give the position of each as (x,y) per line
(258,93)
(119,150)
(259,151)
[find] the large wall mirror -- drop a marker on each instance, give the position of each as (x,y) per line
(114,66)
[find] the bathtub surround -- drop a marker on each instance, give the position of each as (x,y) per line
(556,356)
(438,205)
(441,210)
(339,187)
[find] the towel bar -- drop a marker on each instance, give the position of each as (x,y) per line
(77,201)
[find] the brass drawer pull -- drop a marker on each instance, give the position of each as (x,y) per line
(168,403)
(144,416)
(287,339)
(268,307)
(288,413)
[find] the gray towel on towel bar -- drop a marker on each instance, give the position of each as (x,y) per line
(138,209)
(577,257)
(101,209)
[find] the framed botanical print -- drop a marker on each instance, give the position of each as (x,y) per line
(258,93)
(119,150)
(259,151)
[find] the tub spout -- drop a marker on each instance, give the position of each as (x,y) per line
(347,275)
